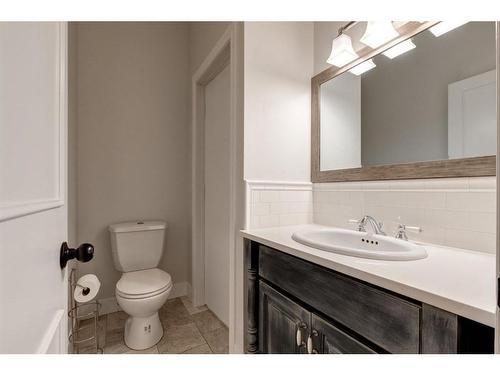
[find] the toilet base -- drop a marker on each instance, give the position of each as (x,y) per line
(143,333)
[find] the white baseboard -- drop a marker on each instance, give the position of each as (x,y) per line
(190,293)
(180,290)
(54,340)
(110,305)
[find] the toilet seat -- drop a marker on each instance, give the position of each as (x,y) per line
(143,284)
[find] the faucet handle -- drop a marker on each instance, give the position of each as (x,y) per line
(402,229)
(354,221)
(409,228)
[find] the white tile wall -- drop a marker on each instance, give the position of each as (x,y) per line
(453,212)
(272,204)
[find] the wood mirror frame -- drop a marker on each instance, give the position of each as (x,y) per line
(464,167)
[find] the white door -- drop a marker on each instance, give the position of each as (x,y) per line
(217,151)
(472,116)
(33,217)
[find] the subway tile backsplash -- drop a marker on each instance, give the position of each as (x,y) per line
(457,212)
(452,212)
(278,204)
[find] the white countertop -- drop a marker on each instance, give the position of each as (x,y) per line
(456,280)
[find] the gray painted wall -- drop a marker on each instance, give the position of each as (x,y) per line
(129,134)
(133,161)
(202,38)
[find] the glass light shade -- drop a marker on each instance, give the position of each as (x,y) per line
(363,67)
(399,49)
(445,26)
(378,33)
(342,51)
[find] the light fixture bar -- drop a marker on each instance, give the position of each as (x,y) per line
(399,49)
(445,26)
(346,27)
(363,67)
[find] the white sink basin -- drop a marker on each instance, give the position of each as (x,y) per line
(360,244)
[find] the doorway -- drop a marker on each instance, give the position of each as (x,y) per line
(217,192)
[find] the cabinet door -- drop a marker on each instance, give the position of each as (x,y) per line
(390,322)
(328,339)
(281,322)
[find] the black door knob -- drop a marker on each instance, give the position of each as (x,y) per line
(83,253)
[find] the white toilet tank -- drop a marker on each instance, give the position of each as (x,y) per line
(137,245)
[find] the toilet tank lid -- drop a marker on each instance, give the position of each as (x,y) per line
(138,226)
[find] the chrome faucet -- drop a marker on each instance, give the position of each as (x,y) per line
(376,226)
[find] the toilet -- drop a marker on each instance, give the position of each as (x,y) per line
(137,248)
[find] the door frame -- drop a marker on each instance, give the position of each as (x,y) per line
(497,295)
(227,51)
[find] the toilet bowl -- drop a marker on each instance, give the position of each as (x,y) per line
(141,294)
(137,248)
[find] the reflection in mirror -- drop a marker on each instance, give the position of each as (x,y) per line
(434,102)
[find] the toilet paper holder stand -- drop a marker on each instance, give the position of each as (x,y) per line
(80,312)
(85,291)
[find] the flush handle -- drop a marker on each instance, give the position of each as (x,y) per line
(83,253)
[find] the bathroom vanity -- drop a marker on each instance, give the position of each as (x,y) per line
(303,300)
(377,119)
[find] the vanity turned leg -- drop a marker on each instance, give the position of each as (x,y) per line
(251,264)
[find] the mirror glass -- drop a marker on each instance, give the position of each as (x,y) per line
(436,101)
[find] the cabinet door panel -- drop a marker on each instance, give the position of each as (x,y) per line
(390,322)
(331,340)
(279,320)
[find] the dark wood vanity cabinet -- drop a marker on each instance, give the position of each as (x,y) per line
(295,306)
(281,321)
(285,328)
(328,339)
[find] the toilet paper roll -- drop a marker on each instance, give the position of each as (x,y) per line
(82,294)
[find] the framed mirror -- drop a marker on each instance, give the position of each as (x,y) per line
(429,112)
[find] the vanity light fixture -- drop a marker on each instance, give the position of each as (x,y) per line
(399,49)
(378,33)
(445,26)
(363,67)
(342,51)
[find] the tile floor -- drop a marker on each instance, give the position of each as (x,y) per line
(187,330)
